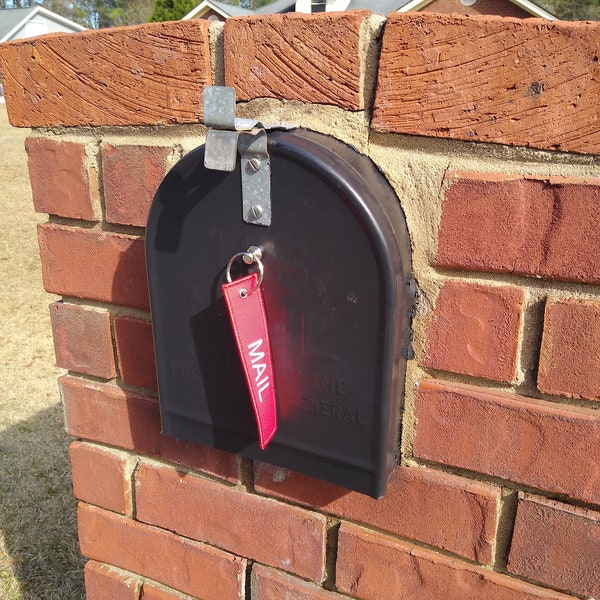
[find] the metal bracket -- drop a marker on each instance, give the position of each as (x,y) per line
(229,136)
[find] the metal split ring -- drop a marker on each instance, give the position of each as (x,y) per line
(252,256)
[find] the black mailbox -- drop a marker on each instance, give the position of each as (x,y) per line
(338,294)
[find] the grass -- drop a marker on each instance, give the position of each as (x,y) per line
(39,554)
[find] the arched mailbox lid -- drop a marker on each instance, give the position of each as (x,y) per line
(338,294)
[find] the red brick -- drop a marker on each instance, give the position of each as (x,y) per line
(475,330)
(558,545)
(259,528)
(103,582)
(131,175)
(135,351)
(94,264)
(64,179)
(185,565)
(444,510)
(268,584)
(570,354)
(541,444)
(374,566)
(521,225)
(150,592)
(106,414)
(291,57)
(101,477)
(144,75)
(524,82)
(83,339)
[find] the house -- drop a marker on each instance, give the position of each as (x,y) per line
(520,9)
(17,23)
(505,8)
(216,11)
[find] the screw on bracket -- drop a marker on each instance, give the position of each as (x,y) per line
(255,213)
(254,163)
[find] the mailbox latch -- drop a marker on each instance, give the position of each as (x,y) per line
(228,136)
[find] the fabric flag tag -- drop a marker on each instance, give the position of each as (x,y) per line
(247,313)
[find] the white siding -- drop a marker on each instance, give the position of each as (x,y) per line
(35,26)
(303,6)
(38,25)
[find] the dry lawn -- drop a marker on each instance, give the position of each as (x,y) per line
(39,555)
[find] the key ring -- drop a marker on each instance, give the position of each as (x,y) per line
(251,256)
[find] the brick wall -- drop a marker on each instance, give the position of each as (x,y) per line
(488,130)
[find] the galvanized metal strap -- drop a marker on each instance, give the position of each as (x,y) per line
(229,136)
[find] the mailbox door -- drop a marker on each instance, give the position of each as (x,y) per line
(337,291)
